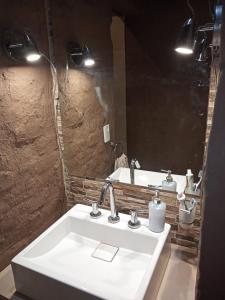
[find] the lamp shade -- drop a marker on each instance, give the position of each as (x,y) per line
(185,40)
(19,46)
(80,55)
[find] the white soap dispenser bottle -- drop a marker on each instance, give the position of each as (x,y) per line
(169,184)
(157,211)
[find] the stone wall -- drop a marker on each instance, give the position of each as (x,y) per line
(31,185)
(214,77)
(86,94)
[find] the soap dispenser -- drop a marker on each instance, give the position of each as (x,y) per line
(189,182)
(169,184)
(157,211)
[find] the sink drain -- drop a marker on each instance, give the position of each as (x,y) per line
(105,252)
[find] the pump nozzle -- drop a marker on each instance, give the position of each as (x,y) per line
(169,178)
(156,198)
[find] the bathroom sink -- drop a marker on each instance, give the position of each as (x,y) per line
(145,178)
(83,258)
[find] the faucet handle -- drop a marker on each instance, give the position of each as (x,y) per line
(134,223)
(135,163)
(95,213)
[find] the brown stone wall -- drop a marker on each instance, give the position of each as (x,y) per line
(31,186)
(214,77)
(84,112)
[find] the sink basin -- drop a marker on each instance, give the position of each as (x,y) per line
(83,258)
(145,178)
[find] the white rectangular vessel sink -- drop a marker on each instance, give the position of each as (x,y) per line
(83,258)
(145,178)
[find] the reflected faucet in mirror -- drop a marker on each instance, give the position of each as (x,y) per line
(114,217)
(133,164)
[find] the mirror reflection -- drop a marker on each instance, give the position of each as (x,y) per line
(136,112)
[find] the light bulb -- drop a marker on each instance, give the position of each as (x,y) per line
(183,50)
(89,62)
(32,57)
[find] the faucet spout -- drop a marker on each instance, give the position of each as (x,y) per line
(114,217)
(133,164)
(103,193)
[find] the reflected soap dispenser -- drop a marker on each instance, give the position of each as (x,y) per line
(157,211)
(189,182)
(169,184)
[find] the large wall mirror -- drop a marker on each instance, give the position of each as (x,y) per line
(154,99)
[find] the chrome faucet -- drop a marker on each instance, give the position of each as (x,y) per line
(133,164)
(114,217)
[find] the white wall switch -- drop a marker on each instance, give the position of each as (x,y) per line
(106,133)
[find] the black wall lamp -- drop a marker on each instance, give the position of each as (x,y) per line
(186,38)
(192,39)
(20,46)
(80,55)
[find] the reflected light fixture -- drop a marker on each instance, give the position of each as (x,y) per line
(20,46)
(186,38)
(193,39)
(81,55)
(32,54)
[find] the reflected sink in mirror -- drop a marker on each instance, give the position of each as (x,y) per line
(147,178)
(83,258)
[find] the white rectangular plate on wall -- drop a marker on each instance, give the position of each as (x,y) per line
(106,133)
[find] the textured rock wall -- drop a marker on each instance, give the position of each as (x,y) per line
(85,94)
(31,186)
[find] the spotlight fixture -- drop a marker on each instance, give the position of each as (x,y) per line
(80,55)
(195,40)
(186,38)
(88,59)
(20,46)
